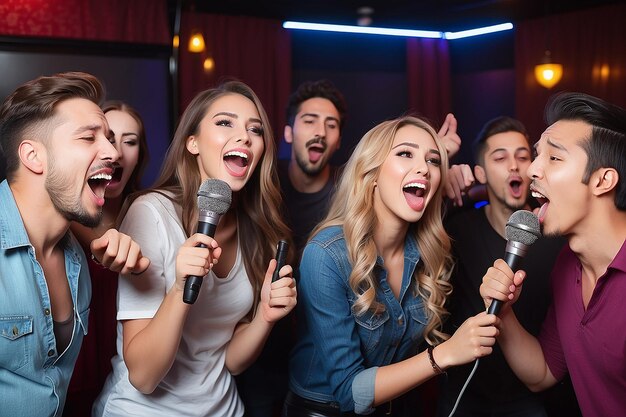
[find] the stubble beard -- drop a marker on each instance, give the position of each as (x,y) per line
(308,168)
(59,188)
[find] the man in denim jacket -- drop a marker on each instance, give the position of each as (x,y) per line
(59,159)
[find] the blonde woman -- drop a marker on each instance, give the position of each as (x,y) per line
(176,358)
(374,281)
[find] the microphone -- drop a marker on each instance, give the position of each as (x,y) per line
(522,230)
(214,198)
(281,257)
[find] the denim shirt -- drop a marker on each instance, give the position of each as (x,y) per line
(337,353)
(33,376)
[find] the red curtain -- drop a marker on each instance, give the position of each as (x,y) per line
(255,51)
(138,21)
(591,46)
(428,73)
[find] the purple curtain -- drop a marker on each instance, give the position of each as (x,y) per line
(428,74)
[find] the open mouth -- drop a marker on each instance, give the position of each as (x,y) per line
(414,193)
(237,162)
(516,187)
(117,174)
(416,188)
(98,184)
(316,152)
(544,202)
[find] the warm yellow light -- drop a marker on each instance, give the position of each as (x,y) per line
(176,41)
(605,71)
(208,64)
(548,75)
(196,43)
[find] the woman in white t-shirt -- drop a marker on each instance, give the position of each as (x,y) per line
(176,358)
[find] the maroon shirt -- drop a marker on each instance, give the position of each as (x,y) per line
(589,344)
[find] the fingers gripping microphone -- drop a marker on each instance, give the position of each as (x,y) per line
(522,230)
(214,198)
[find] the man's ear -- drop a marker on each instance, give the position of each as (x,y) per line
(192,145)
(479,174)
(604,180)
(32,155)
(288,132)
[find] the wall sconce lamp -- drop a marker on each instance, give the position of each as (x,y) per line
(196,43)
(548,74)
(208,65)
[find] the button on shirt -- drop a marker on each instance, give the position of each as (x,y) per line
(34,376)
(338,352)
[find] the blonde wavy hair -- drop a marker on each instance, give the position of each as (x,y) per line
(353,209)
(257,205)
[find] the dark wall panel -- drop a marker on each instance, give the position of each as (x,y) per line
(143,82)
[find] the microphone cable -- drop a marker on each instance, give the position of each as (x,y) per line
(469,378)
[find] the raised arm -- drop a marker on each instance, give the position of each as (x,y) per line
(449,136)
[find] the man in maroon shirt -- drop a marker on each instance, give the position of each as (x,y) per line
(579,177)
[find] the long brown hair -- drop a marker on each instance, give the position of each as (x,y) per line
(257,207)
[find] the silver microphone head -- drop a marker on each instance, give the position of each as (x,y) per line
(523,227)
(214,196)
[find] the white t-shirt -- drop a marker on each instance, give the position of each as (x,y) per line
(198,384)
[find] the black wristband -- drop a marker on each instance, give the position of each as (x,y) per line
(431,358)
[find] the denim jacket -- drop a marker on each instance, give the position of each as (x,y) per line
(33,376)
(337,352)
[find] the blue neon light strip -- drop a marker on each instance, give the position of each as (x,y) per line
(396,32)
(478,31)
(363,29)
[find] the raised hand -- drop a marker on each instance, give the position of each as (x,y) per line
(193,260)
(460,179)
(118,252)
(500,283)
(447,133)
(277,298)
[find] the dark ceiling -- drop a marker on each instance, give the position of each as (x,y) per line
(442,15)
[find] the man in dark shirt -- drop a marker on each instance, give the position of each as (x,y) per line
(315,116)
(502,154)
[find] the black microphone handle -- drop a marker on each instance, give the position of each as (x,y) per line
(207,228)
(281,258)
(193,283)
(512,260)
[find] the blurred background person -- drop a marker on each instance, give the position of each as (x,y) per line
(316,114)
(578,178)
(502,154)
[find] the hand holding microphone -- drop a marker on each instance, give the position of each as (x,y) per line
(278,295)
(214,198)
(522,230)
(282,249)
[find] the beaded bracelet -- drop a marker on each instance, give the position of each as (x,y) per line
(436,367)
